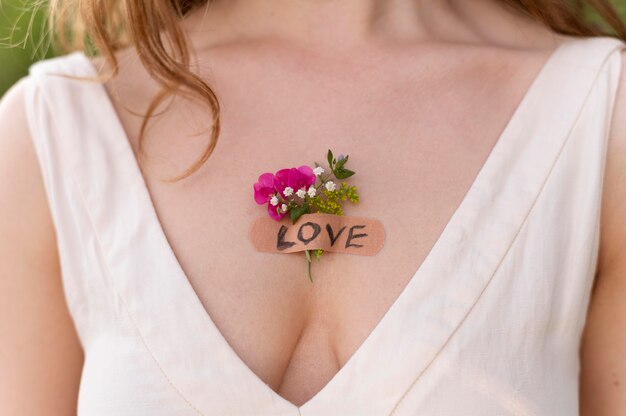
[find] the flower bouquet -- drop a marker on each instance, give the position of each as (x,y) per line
(306,190)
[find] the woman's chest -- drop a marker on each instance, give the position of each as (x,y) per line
(414,163)
(292,333)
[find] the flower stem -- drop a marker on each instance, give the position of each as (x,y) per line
(323,180)
(308,259)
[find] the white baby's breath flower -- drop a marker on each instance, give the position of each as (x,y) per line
(318,171)
(274,200)
(311,191)
(283,207)
(288,191)
(330,185)
(301,192)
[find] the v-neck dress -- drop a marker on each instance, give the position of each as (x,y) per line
(490,323)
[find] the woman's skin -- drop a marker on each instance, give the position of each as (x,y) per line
(400,85)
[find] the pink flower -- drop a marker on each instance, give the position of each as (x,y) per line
(263,192)
(294,178)
(275,212)
(264,188)
(269,185)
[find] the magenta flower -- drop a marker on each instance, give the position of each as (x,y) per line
(275,212)
(264,188)
(264,191)
(294,178)
(270,185)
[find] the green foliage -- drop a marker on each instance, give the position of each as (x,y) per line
(299,210)
(337,166)
(329,201)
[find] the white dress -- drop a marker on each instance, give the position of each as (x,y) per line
(490,324)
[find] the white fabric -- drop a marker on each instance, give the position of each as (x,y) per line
(490,324)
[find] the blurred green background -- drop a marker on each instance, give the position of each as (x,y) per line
(23,37)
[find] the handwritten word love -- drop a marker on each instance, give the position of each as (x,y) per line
(329,232)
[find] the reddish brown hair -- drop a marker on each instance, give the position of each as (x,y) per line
(104,26)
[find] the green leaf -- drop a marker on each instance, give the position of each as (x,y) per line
(343,173)
(298,211)
(348,172)
(329,156)
(341,162)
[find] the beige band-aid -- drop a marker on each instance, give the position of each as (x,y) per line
(329,232)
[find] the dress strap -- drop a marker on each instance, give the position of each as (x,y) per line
(69,132)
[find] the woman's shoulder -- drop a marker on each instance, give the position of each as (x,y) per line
(33,309)
(25,220)
(604,340)
(613,226)
(74,63)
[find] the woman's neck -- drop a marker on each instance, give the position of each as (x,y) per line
(335,24)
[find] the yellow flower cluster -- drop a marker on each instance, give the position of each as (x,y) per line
(349,192)
(331,205)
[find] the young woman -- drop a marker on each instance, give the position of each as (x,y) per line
(488,137)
